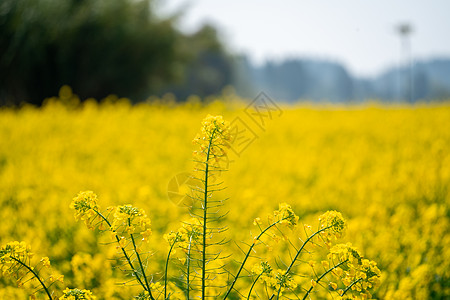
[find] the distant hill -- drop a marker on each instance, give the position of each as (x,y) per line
(321,80)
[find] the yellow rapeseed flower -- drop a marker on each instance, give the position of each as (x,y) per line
(77,294)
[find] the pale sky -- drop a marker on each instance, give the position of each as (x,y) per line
(360,34)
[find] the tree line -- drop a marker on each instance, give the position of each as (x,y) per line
(123,47)
(101,47)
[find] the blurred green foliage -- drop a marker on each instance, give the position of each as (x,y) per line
(101,47)
(208,67)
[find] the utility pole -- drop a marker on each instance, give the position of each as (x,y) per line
(405,30)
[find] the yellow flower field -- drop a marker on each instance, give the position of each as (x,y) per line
(386,168)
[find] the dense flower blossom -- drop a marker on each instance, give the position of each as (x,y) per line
(190,231)
(286,214)
(276,279)
(11,256)
(16,262)
(77,294)
(333,225)
(86,207)
(213,141)
(127,217)
(355,272)
(265,271)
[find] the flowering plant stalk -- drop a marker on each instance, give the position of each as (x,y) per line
(213,141)
(198,235)
(285,215)
(16,261)
(333,226)
(129,227)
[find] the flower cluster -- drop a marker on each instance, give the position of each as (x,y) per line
(286,215)
(86,207)
(12,255)
(15,261)
(356,273)
(128,222)
(127,217)
(77,294)
(332,225)
(144,295)
(213,140)
(277,280)
(284,281)
(264,270)
(190,231)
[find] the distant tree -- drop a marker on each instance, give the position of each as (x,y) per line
(295,79)
(421,85)
(243,77)
(208,67)
(98,47)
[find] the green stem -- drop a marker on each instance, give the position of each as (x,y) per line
(165,271)
(323,275)
(135,273)
(248,255)
(188,265)
(139,259)
(279,292)
(205,215)
(253,284)
(350,286)
(299,251)
(35,275)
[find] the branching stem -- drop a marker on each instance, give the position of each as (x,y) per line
(135,273)
(248,255)
(323,275)
(139,259)
(350,286)
(299,251)
(165,271)
(253,284)
(35,275)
